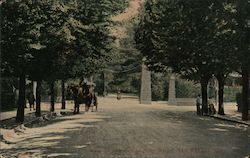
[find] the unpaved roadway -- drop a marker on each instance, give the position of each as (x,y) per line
(127,129)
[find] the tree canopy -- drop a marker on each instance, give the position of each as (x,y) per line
(196,39)
(56,33)
(55,39)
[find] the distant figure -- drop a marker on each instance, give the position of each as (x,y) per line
(94,98)
(211,108)
(83,87)
(199,104)
(31,100)
(119,94)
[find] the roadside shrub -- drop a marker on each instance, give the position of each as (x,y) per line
(186,89)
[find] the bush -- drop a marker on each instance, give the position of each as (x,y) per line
(159,86)
(230,93)
(186,89)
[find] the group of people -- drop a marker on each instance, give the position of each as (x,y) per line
(84,90)
(211,108)
(87,93)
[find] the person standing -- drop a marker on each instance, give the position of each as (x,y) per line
(119,94)
(199,104)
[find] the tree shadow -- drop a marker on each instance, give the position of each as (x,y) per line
(54,143)
(32,121)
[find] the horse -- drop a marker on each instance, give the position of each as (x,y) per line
(83,95)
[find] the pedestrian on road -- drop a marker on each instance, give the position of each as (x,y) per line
(119,94)
(199,104)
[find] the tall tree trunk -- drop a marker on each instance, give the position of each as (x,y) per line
(38,98)
(204,82)
(243,48)
(221,81)
(63,94)
(52,96)
(245,94)
(21,99)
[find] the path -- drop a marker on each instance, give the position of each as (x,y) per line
(127,129)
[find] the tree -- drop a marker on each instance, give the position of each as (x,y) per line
(243,49)
(223,44)
(177,34)
(74,38)
(16,41)
(191,37)
(50,40)
(50,35)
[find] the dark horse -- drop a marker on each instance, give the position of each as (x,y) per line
(83,95)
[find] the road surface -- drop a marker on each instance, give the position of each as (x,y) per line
(127,129)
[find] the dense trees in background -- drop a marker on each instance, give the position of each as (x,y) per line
(51,40)
(123,70)
(198,40)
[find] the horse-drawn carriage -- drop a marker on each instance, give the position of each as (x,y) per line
(83,94)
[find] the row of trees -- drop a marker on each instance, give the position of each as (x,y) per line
(198,40)
(49,40)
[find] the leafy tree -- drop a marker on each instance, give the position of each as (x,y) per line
(191,37)
(223,45)
(79,39)
(50,40)
(176,34)
(35,34)
(243,50)
(17,40)
(90,26)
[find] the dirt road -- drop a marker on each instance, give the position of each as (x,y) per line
(126,129)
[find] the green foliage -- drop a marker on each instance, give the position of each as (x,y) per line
(56,39)
(242,35)
(195,38)
(16,36)
(93,41)
(127,83)
(159,86)
(115,6)
(124,64)
(230,93)
(186,89)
